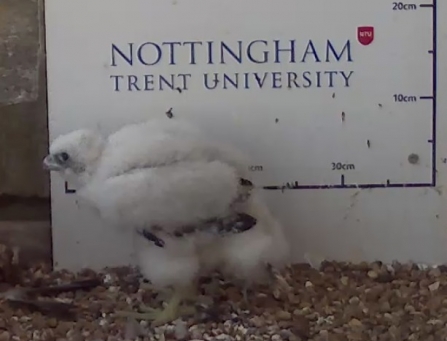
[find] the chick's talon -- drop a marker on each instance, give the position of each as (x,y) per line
(158,316)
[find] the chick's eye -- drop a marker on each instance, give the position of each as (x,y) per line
(64,156)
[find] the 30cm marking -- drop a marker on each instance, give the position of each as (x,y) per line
(400,6)
(342,166)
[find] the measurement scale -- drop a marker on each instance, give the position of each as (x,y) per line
(396,6)
(319,94)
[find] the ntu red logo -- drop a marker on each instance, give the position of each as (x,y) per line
(365,34)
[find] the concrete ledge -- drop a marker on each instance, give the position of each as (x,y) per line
(32,237)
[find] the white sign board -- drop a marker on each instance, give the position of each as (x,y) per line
(335,101)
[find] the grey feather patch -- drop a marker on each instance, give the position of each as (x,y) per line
(245,188)
(238,223)
(151,237)
(245,182)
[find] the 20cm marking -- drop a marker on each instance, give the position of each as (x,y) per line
(342,166)
(403,98)
(400,6)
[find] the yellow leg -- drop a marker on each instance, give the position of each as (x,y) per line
(149,287)
(170,313)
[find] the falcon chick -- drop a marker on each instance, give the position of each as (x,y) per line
(190,199)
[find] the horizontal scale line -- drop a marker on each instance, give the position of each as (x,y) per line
(344,186)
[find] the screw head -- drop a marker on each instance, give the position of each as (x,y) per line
(413,158)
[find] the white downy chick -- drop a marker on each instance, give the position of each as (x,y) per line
(188,196)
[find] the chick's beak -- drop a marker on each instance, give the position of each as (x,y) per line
(49,163)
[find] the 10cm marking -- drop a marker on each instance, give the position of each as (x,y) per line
(403,98)
(342,166)
(256,168)
(400,6)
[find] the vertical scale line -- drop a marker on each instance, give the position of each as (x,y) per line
(434,102)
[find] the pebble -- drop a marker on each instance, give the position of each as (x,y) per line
(5,336)
(436,272)
(276,337)
(355,323)
(324,333)
(344,280)
(52,322)
(181,331)
(132,330)
(372,274)
(338,302)
(283,315)
(434,286)
(195,332)
(354,300)
(257,321)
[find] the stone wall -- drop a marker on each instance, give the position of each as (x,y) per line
(24,185)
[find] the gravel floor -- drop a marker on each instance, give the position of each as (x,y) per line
(338,302)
